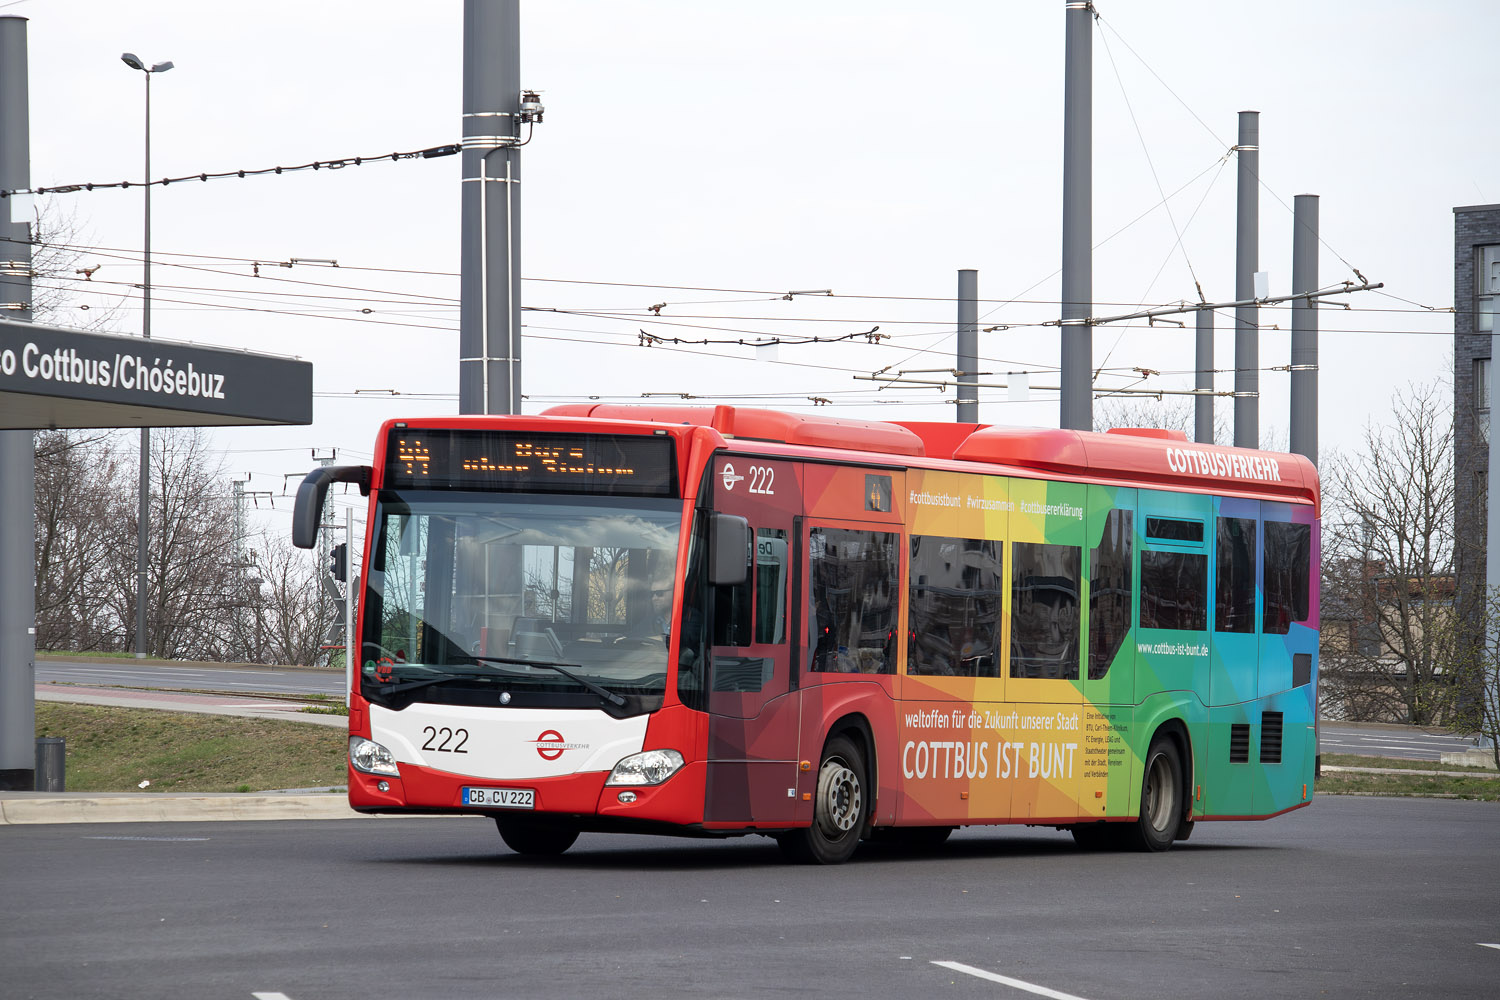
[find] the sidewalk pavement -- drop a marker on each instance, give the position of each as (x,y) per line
(167,807)
(17,808)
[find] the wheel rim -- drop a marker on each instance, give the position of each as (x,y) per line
(1159,792)
(839,797)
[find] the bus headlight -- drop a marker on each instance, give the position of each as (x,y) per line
(649,768)
(370,757)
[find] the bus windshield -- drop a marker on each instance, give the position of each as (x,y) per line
(468,590)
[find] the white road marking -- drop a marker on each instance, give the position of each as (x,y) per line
(166,840)
(1485,944)
(1041,991)
(270,996)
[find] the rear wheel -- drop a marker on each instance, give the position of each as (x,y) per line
(1161,798)
(536,840)
(840,805)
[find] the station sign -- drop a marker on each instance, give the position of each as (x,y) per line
(56,377)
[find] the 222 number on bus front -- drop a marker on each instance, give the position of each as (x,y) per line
(500,798)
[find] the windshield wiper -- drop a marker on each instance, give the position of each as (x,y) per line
(561,668)
(437,679)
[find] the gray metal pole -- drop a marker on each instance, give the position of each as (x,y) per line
(968,347)
(1203,404)
(17,451)
(1246,257)
(1304,422)
(143,514)
(1492,542)
(1076,410)
(489,336)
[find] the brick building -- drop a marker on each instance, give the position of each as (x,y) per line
(1476,300)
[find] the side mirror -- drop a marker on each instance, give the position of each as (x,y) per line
(308,512)
(728,550)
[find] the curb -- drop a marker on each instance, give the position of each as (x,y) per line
(42,807)
(1337,769)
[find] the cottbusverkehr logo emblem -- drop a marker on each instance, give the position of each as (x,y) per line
(550,745)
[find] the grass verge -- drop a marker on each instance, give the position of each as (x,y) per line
(115,749)
(1455,782)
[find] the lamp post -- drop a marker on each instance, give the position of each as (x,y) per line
(143,527)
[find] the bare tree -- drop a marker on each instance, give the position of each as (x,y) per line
(1390,638)
(76,474)
(286,613)
(190,565)
(58,272)
(1173,413)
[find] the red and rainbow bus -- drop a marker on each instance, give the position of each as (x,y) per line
(721,621)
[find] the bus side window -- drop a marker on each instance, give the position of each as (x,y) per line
(1044,614)
(854,600)
(1174,589)
(1288,557)
(770,585)
(956,586)
(1109,592)
(1174,584)
(1234,597)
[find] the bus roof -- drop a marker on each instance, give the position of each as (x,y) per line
(1147,457)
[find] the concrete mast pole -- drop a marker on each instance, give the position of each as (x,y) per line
(1076,409)
(17,450)
(489,337)
(968,346)
(1246,258)
(1304,418)
(1203,403)
(1492,547)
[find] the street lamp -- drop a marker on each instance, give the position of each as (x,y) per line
(143,528)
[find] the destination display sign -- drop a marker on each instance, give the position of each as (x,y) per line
(467,459)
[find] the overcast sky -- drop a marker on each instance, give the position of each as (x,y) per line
(871,148)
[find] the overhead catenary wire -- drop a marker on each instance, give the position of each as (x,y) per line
(336,163)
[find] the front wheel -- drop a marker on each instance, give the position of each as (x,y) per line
(534,839)
(840,806)
(1161,798)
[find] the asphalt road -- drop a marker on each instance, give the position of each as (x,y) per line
(239,677)
(1406,742)
(1351,897)
(1379,741)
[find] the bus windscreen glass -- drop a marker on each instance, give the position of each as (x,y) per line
(596,464)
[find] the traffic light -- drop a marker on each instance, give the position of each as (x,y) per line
(338,562)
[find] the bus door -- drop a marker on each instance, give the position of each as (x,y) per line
(952,713)
(850,598)
(1174,643)
(753,713)
(1284,738)
(1109,667)
(1042,751)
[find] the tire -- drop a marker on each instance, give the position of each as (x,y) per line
(1161,798)
(841,805)
(535,840)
